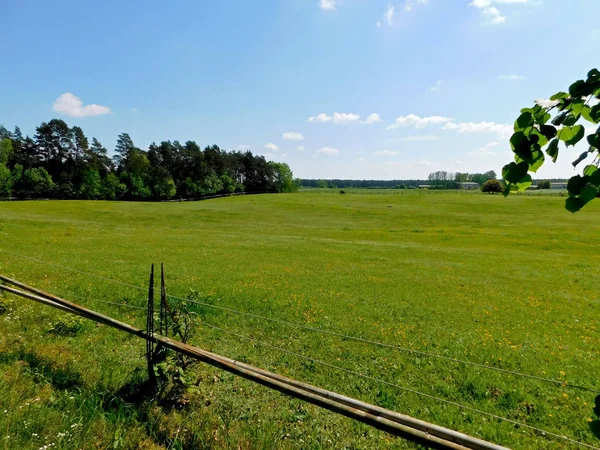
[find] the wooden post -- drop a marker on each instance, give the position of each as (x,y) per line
(150,343)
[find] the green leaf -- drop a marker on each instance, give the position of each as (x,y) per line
(536,137)
(513,172)
(576,185)
(595,178)
(537,160)
(571,119)
(586,113)
(552,150)
(519,143)
(594,140)
(559,96)
(577,106)
(590,170)
(578,89)
(559,120)
(589,193)
(549,131)
(580,158)
(595,113)
(571,135)
(523,121)
(574,204)
(524,183)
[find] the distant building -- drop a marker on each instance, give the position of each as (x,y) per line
(424,186)
(559,185)
(469,185)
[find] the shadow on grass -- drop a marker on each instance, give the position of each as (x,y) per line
(42,368)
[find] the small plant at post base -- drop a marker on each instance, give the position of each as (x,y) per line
(67,326)
(536,129)
(174,380)
(492,187)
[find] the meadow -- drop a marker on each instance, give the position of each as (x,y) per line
(507,283)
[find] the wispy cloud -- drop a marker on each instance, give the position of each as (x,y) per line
(410,4)
(71,105)
(272,147)
(328,151)
(335,118)
(424,138)
(486,150)
(292,136)
(512,77)
(301,148)
(502,129)
(418,122)
(385,153)
(389,15)
(373,118)
(436,86)
(328,5)
(492,14)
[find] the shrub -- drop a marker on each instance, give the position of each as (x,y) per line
(491,187)
(544,185)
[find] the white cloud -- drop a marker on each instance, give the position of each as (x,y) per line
(385,153)
(272,147)
(378,24)
(328,151)
(336,118)
(423,163)
(424,138)
(243,147)
(546,103)
(511,77)
(389,15)
(485,150)
(328,5)
(409,4)
(373,118)
(70,105)
(492,13)
(301,148)
(292,136)
(480,127)
(436,86)
(418,122)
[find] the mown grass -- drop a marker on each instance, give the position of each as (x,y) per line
(509,283)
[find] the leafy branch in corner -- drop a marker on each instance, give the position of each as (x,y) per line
(535,130)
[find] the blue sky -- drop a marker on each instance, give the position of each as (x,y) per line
(335,88)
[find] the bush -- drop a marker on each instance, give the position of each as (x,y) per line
(544,185)
(492,187)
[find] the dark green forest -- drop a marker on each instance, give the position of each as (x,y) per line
(60,162)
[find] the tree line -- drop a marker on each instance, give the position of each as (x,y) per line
(60,162)
(364,184)
(451,180)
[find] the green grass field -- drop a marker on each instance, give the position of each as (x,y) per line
(510,283)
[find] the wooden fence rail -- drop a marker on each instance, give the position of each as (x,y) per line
(425,433)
